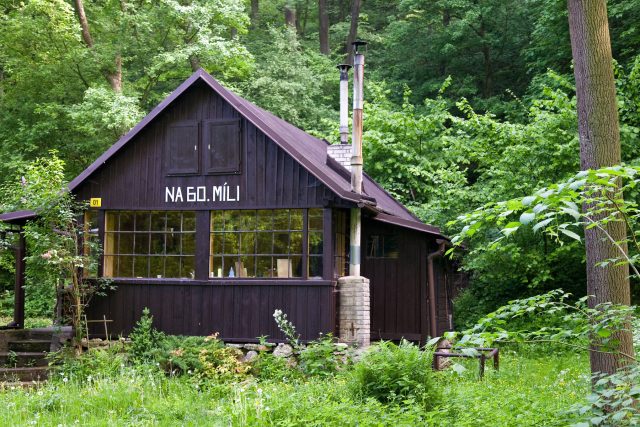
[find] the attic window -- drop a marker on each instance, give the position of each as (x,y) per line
(221,140)
(182,151)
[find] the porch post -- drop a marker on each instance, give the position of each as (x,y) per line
(18,309)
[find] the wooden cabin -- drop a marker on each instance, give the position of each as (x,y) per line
(213,213)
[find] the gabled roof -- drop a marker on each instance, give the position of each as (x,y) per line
(306,149)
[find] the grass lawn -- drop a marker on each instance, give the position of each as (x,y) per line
(527,391)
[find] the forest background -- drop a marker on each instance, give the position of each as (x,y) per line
(466,101)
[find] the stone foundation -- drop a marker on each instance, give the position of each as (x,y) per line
(354,312)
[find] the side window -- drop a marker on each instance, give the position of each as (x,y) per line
(182,151)
(221,143)
(382,246)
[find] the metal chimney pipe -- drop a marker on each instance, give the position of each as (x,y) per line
(356,151)
(356,158)
(344,103)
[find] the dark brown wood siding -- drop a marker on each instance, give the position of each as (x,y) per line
(136,177)
(238,312)
(398,285)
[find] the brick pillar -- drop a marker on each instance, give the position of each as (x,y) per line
(354,315)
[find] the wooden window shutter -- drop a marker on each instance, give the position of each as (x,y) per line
(222,146)
(182,154)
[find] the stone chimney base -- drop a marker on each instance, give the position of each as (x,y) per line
(354,314)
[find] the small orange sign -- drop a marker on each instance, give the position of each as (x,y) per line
(95,202)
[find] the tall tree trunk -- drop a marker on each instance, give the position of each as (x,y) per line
(323,18)
(84,23)
(290,16)
(599,147)
(353,30)
(255,13)
(113,76)
(194,61)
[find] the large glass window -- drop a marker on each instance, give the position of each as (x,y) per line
(266,243)
(149,244)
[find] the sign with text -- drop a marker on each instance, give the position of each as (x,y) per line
(95,202)
(216,193)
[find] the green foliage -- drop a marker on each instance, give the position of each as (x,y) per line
(395,373)
(222,364)
(53,90)
(558,321)
(268,367)
(56,255)
(613,400)
(320,358)
(295,84)
(145,339)
(95,363)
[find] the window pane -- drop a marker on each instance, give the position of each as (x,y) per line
(264,267)
(315,219)
(125,266)
(142,243)
(247,220)
(296,266)
(231,243)
(172,266)
(247,266)
(188,267)
(390,246)
(281,219)
(315,267)
(215,267)
(125,244)
(172,243)
(232,220)
(229,267)
(174,221)
(188,221)
(315,242)
(296,219)
(157,221)
(126,221)
(295,243)
(157,244)
(216,243)
(141,266)
(280,243)
(217,221)
(111,221)
(265,220)
(142,221)
(156,266)
(247,243)
(189,244)
(265,243)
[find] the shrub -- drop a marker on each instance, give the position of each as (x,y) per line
(394,373)
(613,400)
(320,358)
(145,339)
(272,368)
(223,364)
(179,355)
(94,363)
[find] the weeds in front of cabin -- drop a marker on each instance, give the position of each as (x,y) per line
(196,381)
